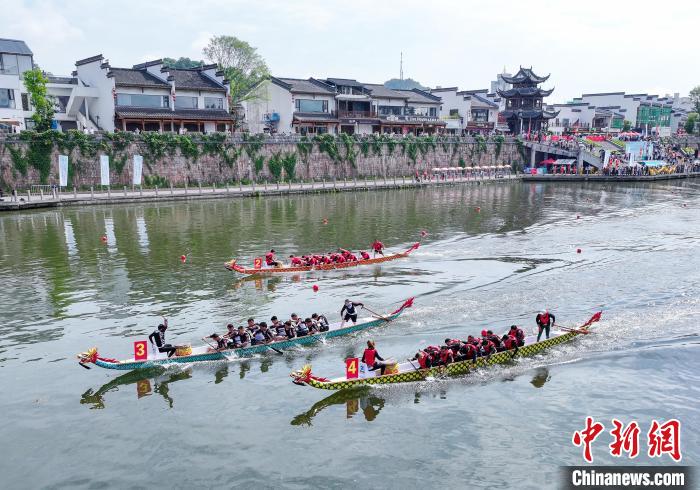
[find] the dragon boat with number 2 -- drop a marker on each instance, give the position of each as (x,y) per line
(188,355)
(260,269)
(410,371)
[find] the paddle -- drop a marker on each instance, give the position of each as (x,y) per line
(377,314)
(576,330)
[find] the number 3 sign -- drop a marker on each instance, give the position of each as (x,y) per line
(140,350)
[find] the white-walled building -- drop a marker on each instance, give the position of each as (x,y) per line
(152,97)
(15,59)
(467,110)
(339,105)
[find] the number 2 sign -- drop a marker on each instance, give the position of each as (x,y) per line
(257,263)
(352,368)
(140,350)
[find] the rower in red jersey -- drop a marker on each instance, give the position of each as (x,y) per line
(378,248)
(296,261)
(270,259)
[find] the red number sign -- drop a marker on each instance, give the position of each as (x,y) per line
(352,368)
(140,350)
(257,263)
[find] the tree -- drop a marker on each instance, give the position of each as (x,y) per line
(405,84)
(181,62)
(690,122)
(35,82)
(241,63)
(695,97)
(626,125)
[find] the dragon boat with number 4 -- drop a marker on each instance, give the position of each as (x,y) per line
(188,355)
(410,371)
(259,267)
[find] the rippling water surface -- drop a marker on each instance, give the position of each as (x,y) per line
(495,255)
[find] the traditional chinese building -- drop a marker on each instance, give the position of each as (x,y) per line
(524,111)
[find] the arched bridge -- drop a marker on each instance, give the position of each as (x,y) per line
(546,150)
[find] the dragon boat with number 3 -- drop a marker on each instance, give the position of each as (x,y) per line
(260,269)
(188,355)
(410,371)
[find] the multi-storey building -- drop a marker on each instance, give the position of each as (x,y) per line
(467,111)
(153,97)
(15,59)
(339,105)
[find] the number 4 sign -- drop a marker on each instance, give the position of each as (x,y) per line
(140,350)
(352,368)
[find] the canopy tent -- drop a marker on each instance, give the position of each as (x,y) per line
(548,161)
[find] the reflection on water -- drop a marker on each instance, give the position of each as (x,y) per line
(220,374)
(355,400)
(146,383)
(541,377)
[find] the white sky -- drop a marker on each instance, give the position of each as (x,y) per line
(588,46)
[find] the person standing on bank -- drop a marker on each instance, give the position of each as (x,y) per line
(544,320)
(158,337)
(348,312)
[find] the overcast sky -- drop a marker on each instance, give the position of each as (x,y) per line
(591,46)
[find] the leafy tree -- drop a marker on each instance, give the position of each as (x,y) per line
(35,82)
(626,125)
(695,97)
(405,84)
(182,62)
(241,63)
(690,122)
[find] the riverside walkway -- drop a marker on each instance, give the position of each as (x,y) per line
(607,178)
(29,200)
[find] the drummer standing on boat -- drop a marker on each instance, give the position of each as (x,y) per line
(544,320)
(348,312)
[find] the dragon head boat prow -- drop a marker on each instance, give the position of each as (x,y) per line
(88,356)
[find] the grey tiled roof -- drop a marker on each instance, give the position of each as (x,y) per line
(14,46)
(298,85)
(348,82)
(420,98)
(484,100)
(63,80)
(163,113)
(384,92)
(138,78)
(194,79)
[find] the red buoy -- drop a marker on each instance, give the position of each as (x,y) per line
(423,233)
(578,250)
(104,238)
(578,216)
(183,258)
(315,288)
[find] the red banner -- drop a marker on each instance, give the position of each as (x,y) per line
(140,350)
(352,368)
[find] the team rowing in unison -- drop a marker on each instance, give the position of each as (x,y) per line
(340,257)
(455,350)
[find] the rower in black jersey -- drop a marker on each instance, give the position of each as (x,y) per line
(158,337)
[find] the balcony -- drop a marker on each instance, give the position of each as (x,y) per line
(356,114)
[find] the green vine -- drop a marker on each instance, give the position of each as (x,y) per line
(364,147)
(253,144)
(274,163)
(327,144)
(498,140)
(289,162)
(349,144)
(258,163)
(304,148)
(376,145)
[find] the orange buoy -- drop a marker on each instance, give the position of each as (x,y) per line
(183,258)
(315,288)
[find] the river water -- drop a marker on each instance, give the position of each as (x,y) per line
(495,254)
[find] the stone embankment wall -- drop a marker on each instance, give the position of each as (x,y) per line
(233,160)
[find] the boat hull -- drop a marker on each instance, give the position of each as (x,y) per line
(234,267)
(414,373)
(226,355)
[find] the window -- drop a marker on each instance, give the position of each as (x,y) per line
(7,98)
(454,112)
(213,103)
(432,112)
(143,100)
(480,115)
(309,105)
(8,65)
(390,110)
(25,102)
(186,102)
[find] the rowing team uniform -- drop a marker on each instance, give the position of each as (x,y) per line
(378,247)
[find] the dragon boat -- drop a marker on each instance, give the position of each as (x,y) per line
(188,355)
(259,268)
(410,371)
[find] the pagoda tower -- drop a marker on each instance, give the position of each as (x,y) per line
(524,112)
